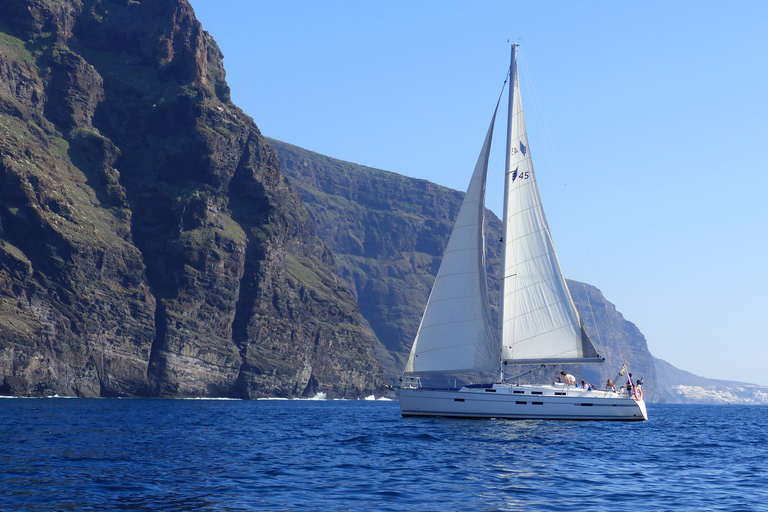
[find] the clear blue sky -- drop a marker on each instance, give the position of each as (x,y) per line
(648,124)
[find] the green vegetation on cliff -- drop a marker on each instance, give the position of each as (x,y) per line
(149,244)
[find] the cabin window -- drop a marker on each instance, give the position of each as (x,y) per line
(490,390)
(587,405)
(536,392)
(458,399)
(537,403)
(521,403)
(519,392)
(559,394)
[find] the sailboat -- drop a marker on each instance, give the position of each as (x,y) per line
(538,321)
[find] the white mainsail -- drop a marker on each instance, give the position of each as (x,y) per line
(539,321)
(456,334)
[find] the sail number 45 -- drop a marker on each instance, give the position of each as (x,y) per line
(522,175)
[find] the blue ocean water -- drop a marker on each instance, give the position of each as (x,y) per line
(190,455)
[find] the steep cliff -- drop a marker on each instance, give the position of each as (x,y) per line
(149,244)
(388,233)
(617,340)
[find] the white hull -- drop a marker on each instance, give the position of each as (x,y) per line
(521,402)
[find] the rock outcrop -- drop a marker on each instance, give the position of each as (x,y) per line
(149,244)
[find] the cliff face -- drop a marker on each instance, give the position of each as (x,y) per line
(616,339)
(149,244)
(388,233)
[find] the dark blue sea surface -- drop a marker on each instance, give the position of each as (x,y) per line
(189,455)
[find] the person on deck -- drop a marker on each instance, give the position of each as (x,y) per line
(609,386)
(567,378)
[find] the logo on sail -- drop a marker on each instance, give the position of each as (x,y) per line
(522,148)
(514,174)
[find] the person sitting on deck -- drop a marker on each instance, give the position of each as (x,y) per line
(609,386)
(584,385)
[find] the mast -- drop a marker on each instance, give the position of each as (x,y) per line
(510,106)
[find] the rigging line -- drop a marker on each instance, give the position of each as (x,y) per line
(503,86)
(546,136)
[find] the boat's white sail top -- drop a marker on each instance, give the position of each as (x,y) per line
(456,333)
(539,320)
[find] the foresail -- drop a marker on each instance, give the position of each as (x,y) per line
(540,323)
(456,334)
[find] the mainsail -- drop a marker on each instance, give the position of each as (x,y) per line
(456,334)
(539,321)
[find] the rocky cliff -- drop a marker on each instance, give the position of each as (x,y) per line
(617,340)
(149,244)
(388,233)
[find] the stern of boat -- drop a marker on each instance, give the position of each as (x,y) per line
(410,382)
